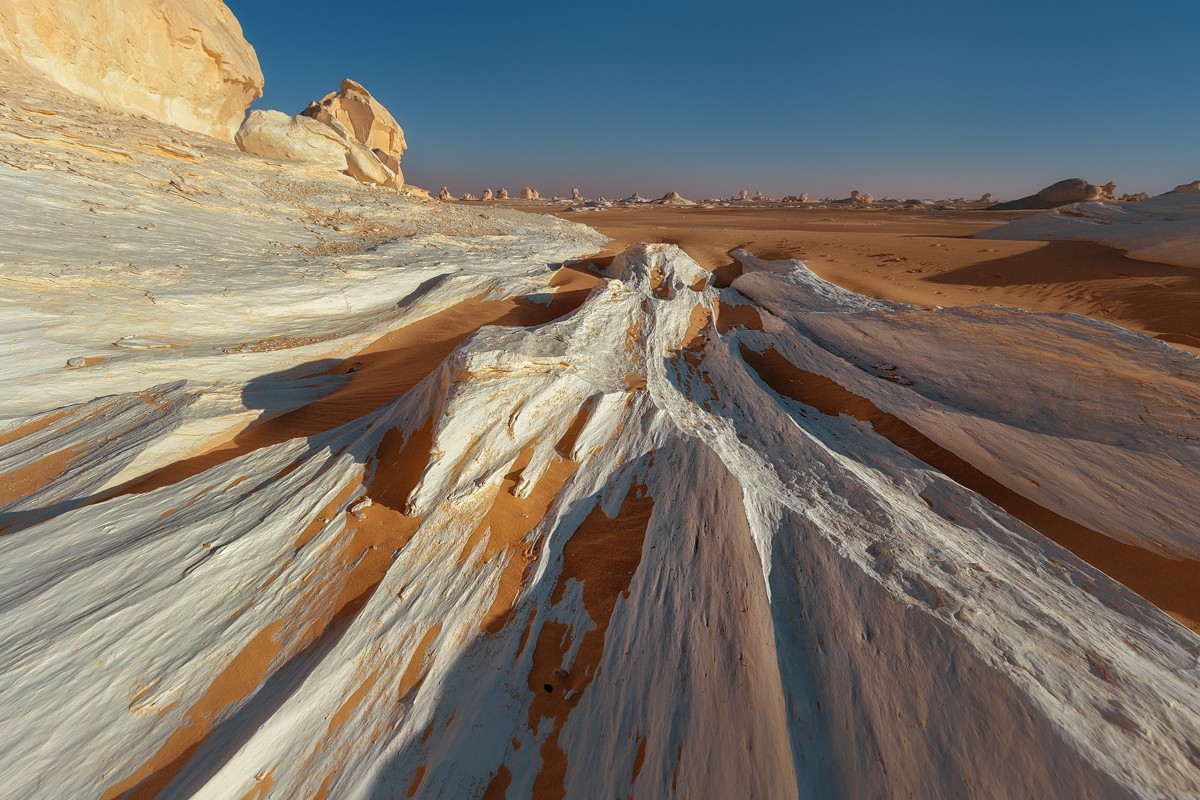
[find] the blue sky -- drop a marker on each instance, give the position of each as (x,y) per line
(923,98)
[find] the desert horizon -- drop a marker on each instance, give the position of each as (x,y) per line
(337,463)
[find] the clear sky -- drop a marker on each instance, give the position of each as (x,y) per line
(903,98)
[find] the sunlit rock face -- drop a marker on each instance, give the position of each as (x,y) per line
(272,134)
(353,109)
(183,62)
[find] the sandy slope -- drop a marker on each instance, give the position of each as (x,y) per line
(928,258)
(374,500)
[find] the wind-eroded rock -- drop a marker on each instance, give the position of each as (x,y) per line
(273,134)
(529,193)
(183,62)
(1071,190)
(365,119)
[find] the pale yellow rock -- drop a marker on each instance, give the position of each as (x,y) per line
(367,121)
(184,62)
(273,134)
(528,193)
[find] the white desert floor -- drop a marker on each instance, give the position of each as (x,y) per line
(630,551)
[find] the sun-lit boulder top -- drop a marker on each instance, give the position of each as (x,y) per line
(365,118)
(184,62)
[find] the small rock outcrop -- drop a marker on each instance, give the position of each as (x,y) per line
(576,194)
(1134,198)
(986,198)
(365,119)
(674,199)
(1071,190)
(502,194)
(487,195)
(861,198)
(530,194)
(273,134)
(183,62)
(467,196)
(444,194)
(1108,191)
(1186,188)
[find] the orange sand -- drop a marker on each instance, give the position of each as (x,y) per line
(925,258)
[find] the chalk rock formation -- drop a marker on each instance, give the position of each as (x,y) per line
(674,199)
(502,194)
(444,194)
(1071,190)
(1108,191)
(273,134)
(354,109)
(1163,229)
(530,194)
(487,194)
(743,195)
(760,197)
(987,198)
(576,194)
(1134,198)
(182,62)
(861,199)
(467,196)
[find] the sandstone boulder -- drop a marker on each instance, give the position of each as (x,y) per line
(1071,190)
(366,120)
(183,62)
(273,134)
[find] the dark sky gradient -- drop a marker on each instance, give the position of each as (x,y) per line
(925,98)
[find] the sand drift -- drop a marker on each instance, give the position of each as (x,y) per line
(634,550)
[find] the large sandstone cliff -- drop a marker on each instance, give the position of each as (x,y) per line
(184,62)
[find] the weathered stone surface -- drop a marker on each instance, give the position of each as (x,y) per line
(183,62)
(444,194)
(273,134)
(528,193)
(487,194)
(576,194)
(1071,190)
(366,120)
(502,194)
